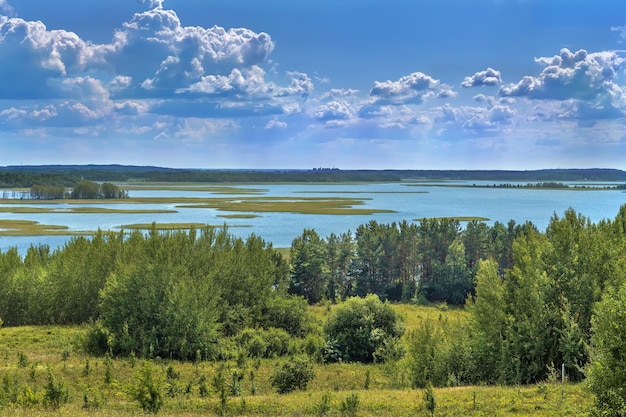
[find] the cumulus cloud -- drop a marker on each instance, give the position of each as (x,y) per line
(334,110)
(163,55)
(335,93)
(153,50)
(489,77)
(412,88)
(275,124)
(153,64)
(31,55)
(491,119)
(578,76)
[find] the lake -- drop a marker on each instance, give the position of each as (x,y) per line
(407,202)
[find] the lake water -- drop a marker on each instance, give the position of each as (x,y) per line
(408,203)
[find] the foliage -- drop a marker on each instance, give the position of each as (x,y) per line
(359,326)
(296,373)
(95,340)
(308,266)
(429,399)
(607,373)
(350,405)
(147,390)
(55,392)
(92,190)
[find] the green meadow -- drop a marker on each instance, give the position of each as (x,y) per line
(33,357)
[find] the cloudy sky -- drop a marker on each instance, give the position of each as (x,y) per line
(429,84)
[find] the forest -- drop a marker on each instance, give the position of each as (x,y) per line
(534,302)
(70,175)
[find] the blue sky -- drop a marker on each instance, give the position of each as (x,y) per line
(431,84)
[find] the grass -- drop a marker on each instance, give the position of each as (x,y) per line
(361,192)
(336,206)
(172,226)
(301,205)
(87,210)
(33,228)
(197,187)
(238,216)
(27,352)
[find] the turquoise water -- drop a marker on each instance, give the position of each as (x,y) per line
(408,202)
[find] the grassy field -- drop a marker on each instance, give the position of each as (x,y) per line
(28,355)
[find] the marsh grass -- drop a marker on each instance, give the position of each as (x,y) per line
(33,228)
(302,205)
(336,206)
(88,210)
(194,187)
(238,216)
(173,226)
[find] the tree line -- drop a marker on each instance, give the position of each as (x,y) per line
(82,190)
(27,176)
(434,260)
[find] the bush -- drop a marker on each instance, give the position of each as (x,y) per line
(270,343)
(55,393)
(350,405)
(313,346)
(95,341)
(360,326)
(147,390)
(294,374)
(288,313)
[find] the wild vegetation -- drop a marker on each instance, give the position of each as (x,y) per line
(199,321)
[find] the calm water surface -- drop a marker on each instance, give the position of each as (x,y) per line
(408,203)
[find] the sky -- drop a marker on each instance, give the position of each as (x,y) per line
(284,84)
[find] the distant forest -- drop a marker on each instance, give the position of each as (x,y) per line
(70,175)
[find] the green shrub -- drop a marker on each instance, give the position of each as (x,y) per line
(147,390)
(429,399)
(55,393)
(350,405)
(294,374)
(270,343)
(95,341)
(278,342)
(322,408)
(313,346)
(288,313)
(359,326)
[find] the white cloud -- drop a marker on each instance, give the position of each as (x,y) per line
(578,75)
(153,50)
(31,55)
(335,110)
(489,77)
(163,55)
(412,88)
(585,82)
(335,93)
(275,124)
